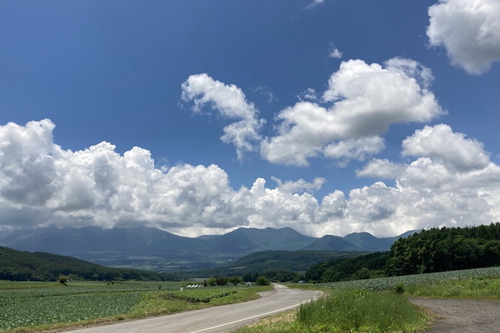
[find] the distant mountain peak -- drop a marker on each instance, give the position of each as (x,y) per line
(113,246)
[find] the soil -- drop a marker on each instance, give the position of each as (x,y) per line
(462,316)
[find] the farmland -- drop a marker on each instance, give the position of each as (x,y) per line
(415,279)
(369,305)
(49,305)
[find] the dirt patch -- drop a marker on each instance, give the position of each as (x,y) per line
(464,316)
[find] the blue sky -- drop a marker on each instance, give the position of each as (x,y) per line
(327,116)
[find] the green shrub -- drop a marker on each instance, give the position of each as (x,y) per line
(262,281)
(63,280)
(235,280)
(399,288)
(363,273)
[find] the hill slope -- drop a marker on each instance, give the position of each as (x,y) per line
(40,266)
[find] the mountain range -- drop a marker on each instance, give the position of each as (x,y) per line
(155,249)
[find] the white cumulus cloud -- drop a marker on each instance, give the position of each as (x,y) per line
(365,100)
(41,184)
(450,183)
(378,168)
(231,103)
(469,30)
(453,149)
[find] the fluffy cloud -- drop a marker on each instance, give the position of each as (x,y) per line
(231,103)
(452,182)
(452,149)
(27,168)
(365,100)
(42,184)
(469,30)
(380,169)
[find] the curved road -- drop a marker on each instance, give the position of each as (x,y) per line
(224,318)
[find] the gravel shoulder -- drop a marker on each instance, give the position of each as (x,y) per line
(464,316)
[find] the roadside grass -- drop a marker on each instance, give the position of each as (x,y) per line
(52,307)
(380,305)
(487,287)
(348,310)
(155,304)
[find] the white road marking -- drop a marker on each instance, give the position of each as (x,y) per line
(252,317)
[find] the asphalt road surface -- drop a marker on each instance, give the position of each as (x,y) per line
(224,318)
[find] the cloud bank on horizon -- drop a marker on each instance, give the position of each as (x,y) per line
(450,178)
(441,177)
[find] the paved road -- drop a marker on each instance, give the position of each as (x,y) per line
(217,319)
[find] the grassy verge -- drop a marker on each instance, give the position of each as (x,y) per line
(379,305)
(42,307)
(348,310)
(155,304)
(473,288)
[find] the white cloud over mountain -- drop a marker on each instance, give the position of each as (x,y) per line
(469,30)
(42,184)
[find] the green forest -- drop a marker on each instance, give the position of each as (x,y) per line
(445,249)
(428,251)
(39,266)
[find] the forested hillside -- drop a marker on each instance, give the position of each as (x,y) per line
(362,267)
(434,250)
(39,266)
(445,249)
(270,262)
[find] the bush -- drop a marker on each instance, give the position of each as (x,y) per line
(217,281)
(399,288)
(262,281)
(63,279)
(362,274)
(235,280)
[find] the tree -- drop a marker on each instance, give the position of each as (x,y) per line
(235,280)
(262,281)
(362,274)
(63,279)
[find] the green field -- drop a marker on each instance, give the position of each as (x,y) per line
(415,279)
(42,305)
(379,305)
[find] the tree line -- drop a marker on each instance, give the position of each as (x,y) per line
(445,249)
(433,250)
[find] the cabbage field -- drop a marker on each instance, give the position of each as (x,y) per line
(28,304)
(416,279)
(23,304)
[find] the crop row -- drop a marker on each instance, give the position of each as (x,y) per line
(30,290)
(390,282)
